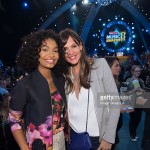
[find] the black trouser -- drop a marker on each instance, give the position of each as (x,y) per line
(120,122)
(95,142)
(135,118)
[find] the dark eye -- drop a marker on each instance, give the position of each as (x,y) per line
(74,46)
(56,50)
(44,49)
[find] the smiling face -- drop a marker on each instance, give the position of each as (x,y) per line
(72,51)
(115,68)
(136,72)
(48,55)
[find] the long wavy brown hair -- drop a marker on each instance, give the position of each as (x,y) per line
(110,60)
(85,61)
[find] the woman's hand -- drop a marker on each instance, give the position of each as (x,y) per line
(104,145)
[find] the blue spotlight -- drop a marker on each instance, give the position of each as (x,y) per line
(25,4)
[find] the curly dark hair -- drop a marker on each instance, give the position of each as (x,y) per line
(28,56)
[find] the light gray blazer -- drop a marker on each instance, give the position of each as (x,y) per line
(102,83)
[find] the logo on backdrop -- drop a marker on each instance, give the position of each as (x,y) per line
(116,36)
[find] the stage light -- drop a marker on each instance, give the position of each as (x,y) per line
(74,7)
(119,53)
(25,4)
(105,2)
(85,2)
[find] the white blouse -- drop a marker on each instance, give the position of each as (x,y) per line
(77,112)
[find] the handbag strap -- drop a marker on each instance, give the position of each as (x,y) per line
(88,104)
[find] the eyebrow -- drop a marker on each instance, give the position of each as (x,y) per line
(48,46)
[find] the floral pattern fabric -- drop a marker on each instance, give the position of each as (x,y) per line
(58,107)
(53,124)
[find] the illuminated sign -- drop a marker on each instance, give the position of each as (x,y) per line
(116,36)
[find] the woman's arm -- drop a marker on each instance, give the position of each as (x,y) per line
(16,124)
(17,103)
(20,139)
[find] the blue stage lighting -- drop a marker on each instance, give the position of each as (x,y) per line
(25,4)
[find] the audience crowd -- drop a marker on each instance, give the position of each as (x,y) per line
(129,69)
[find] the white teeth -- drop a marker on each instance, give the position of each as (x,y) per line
(73,57)
(50,61)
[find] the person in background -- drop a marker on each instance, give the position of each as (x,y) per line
(147,82)
(93,77)
(3,141)
(3,87)
(8,140)
(135,87)
(146,134)
(145,72)
(38,104)
(114,65)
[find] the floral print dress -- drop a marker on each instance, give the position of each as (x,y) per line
(53,123)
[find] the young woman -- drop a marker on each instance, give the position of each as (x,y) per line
(135,88)
(114,65)
(91,77)
(37,105)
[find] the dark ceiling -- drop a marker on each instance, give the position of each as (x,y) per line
(17,21)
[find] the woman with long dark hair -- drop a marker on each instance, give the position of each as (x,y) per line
(88,82)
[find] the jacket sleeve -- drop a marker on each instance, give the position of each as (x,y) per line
(17,104)
(113,109)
